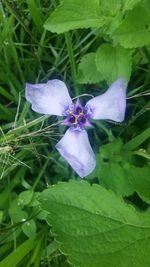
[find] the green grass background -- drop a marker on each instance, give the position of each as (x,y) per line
(28,159)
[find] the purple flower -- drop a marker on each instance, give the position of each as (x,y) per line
(53,98)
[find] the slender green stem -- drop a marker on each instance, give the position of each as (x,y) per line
(40,175)
(72,60)
(107,131)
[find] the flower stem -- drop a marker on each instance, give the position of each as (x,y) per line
(107,131)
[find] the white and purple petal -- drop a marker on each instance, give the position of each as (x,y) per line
(110,105)
(76,150)
(48,98)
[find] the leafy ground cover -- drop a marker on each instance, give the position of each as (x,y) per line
(49,216)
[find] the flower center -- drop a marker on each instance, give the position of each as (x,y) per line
(78,116)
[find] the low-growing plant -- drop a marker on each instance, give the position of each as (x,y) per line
(49,216)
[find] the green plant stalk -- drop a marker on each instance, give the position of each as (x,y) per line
(107,131)
(11,135)
(40,174)
(72,60)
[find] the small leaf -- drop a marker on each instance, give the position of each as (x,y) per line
(112,150)
(95,228)
(135,29)
(29,228)
(25,197)
(87,71)
(50,249)
(112,158)
(77,14)
(17,215)
(139,179)
(123,178)
(113,62)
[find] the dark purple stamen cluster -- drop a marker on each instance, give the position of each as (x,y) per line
(78,116)
(71,119)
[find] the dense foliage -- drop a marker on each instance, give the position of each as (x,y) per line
(49,216)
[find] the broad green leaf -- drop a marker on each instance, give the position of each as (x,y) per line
(115,179)
(87,70)
(113,62)
(125,179)
(77,14)
(113,7)
(110,7)
(135,29)
(129,4)
(115,11)
(95,228)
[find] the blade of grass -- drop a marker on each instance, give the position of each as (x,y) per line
(16,256)
(138,140)
(36,14)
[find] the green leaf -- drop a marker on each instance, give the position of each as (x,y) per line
(87,71)
(115,179)
(139,180)
(51,248)
(95,228)
(17,215)
(123,178)
(129,4)
(77,14)
(114,12)
(112,158)
(29,228)
(111,7)
(126,179)
(112,150)
(135,29)
(113,62)
(25,197)
(114,7)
